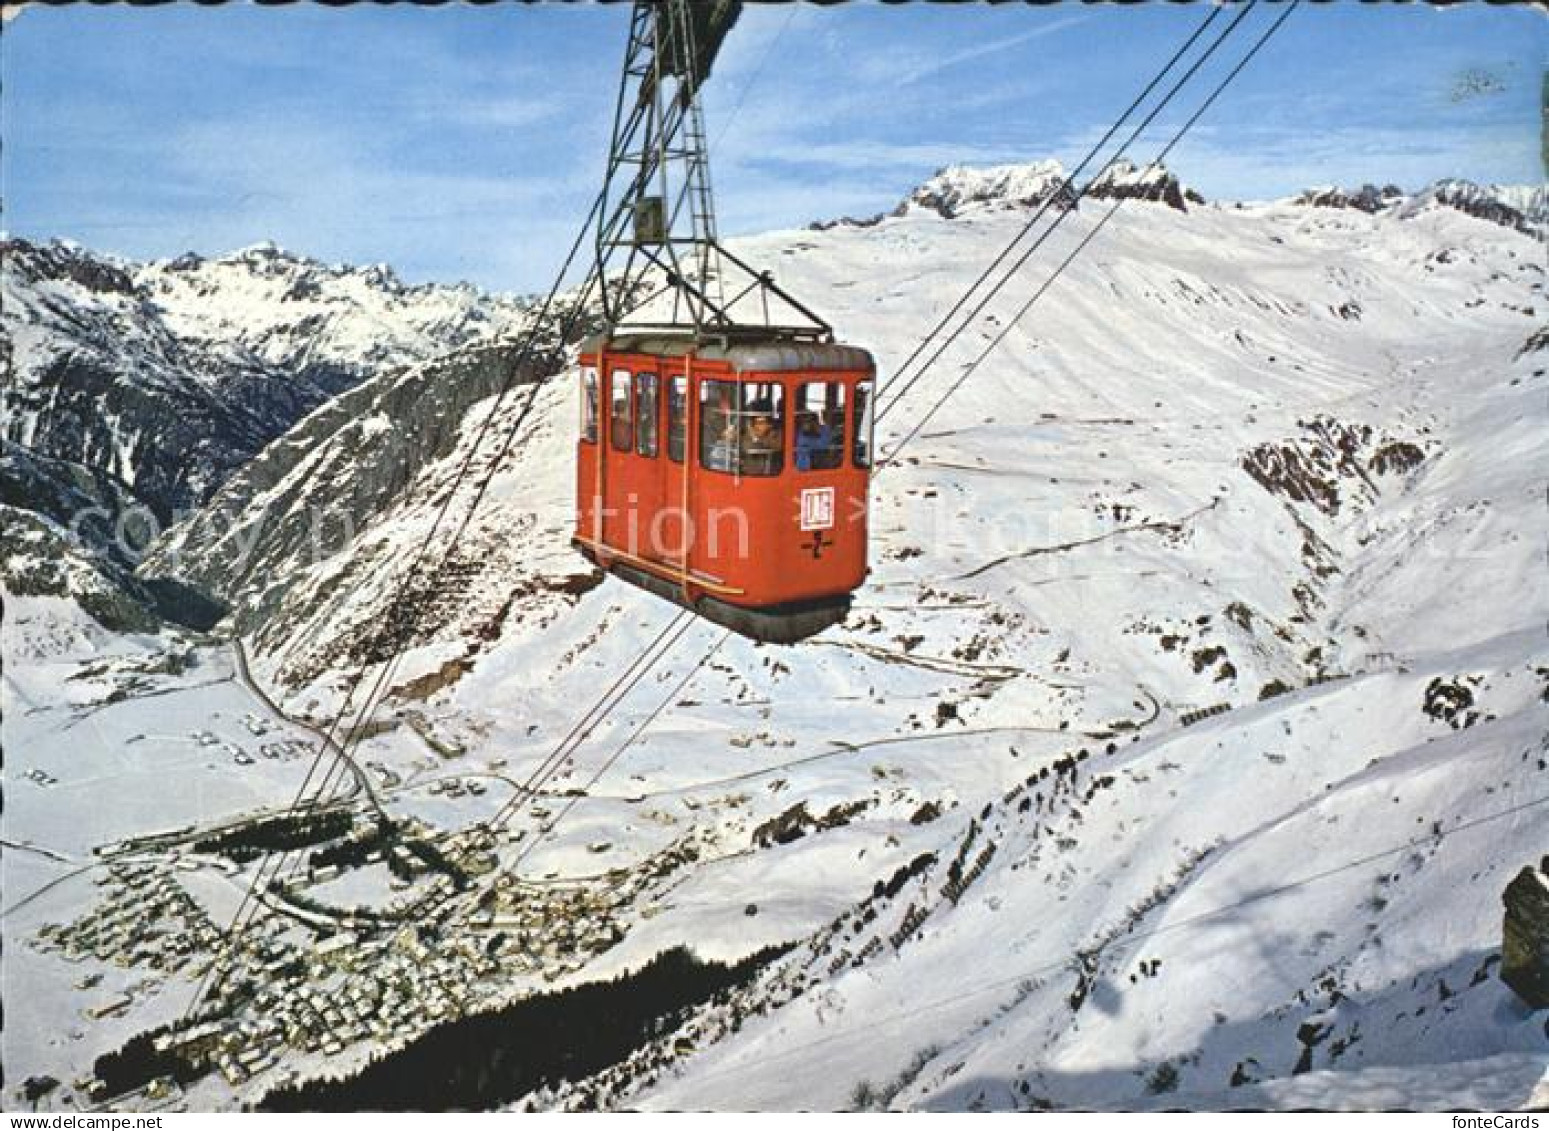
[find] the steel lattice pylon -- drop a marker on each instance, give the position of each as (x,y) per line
(661,263)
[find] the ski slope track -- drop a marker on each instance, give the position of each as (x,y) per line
(1176,753)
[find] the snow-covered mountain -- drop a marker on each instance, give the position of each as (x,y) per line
(1123,180)
(171,375)
(958,190)
(1367,198)
(1524,208)
(334,325)
(1530,200)
(1176,753)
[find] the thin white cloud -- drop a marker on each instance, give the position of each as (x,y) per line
(517,113)
(979,51)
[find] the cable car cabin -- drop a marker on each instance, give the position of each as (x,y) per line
(730,479)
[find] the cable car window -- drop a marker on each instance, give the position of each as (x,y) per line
(589,403)
(742,427)
(645,414)
(623,426)
(819,425)
(862,448)
(677,411)
(717,425)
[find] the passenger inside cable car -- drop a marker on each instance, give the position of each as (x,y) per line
(743,428)
(819,426)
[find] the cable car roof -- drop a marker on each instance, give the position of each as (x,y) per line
(770,355)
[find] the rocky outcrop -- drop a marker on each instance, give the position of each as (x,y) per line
(796,822)
(1368,198)
(73,532)
(1537,342)
(1307,470)
(1522,208)
(1494,205)
(1330,464)
(1525,935)
(61,262)
(1125,181)
(852,222)
(959,189)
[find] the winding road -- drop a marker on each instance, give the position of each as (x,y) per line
(325,738)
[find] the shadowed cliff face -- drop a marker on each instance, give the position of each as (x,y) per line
(171,440)
(307,496)
(69,531)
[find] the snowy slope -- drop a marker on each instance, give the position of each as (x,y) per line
(1276,460)
(1295,902)
(1273,329)
(1530,200)
(310,494)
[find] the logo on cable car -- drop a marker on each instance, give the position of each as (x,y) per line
(817,508)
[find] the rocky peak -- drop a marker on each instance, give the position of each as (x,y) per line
(381,276)
(1367,198)
(188,261)
(1495,204)
(61,261)
(1523,208)
(957,189)
(266,254)
(1123,180)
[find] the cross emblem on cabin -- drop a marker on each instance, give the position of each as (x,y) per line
(817,545)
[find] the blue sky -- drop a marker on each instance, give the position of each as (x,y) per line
(466,142)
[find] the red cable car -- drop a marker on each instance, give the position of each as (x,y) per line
(728,477)
(726,439)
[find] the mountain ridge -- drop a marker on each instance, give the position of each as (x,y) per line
(169,375)
(956,190)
